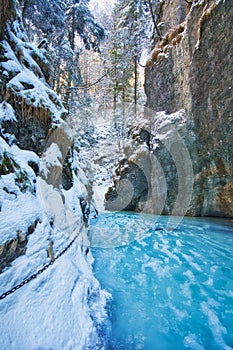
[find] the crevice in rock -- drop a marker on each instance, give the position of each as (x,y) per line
(11,250)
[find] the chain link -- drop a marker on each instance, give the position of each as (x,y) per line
(40,271)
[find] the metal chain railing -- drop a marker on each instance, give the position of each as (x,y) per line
(34,275)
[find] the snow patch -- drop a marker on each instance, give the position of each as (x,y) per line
(6,112)
(64,307)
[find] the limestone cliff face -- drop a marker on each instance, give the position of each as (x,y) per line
(191,69)
(187,151)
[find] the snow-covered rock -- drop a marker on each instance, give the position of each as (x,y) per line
(64,307)
(44,245)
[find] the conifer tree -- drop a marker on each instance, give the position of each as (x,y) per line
(130,35)
(67,22)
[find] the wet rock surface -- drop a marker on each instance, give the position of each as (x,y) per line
(196,74)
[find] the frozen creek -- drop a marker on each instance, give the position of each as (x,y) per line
(167,287)
(171,290)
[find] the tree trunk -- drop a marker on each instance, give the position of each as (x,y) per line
(24,5)
(72,32)
(86,72)
(56,78)
(115,98)
(115,84)
(135,80)
(123,95)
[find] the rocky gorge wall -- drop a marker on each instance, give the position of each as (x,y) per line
(190,70)
(194,72)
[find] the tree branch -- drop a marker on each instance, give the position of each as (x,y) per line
(87,87)
(154,21)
